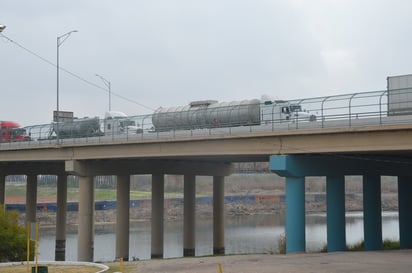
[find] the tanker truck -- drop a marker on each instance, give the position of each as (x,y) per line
(212,114)
(83,127)
(11,131)
(114,123)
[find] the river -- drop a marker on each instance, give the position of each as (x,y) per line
(244,234)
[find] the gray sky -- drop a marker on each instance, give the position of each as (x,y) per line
(171,52)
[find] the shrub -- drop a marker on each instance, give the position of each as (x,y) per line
(13,238)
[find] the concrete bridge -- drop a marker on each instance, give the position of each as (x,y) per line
(367,150)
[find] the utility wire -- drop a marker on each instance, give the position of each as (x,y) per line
(73,74)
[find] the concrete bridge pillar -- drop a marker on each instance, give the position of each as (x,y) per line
(372,212)
(218,215)
(2,189)
(295,214)
(31,198)
(189,216)
(405,209)
(335,202)
(85,237)
(157,216)
(122,216)
(61,219)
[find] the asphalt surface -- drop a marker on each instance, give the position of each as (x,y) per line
(370,261)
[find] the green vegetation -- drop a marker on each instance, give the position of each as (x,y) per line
(386,245)
(360,246)
(13,238)
(52,268)
(281,244)
(356,247)
(391,245)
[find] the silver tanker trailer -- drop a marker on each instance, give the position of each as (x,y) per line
(212,114)
(84,127)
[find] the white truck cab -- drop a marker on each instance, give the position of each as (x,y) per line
(281,111)
(116,123)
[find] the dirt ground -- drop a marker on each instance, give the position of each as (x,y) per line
(371,261)
(339,262)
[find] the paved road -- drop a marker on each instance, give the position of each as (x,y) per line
(371,261)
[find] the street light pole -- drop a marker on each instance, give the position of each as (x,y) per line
(109,86)
(2,27)
(60,41)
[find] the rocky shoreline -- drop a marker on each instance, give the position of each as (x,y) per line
(234,205)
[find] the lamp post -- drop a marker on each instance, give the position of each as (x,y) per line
(60,41)
(109,87)
(2,27)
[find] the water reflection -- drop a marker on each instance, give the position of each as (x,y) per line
(244,234)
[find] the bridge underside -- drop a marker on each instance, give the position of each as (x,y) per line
(117,167)
(335,167)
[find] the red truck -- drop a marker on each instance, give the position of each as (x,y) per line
(11,131)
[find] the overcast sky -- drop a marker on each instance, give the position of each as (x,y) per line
(171,52)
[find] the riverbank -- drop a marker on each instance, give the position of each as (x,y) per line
(245,194)
(235,205)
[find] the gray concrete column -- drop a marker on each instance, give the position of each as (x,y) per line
(335,200)
(218,215)
(61,219)
(122,217)
(31,198)
(157,215)
(372,212)
(85,237)
(405,208)
(2,189)
(189,242)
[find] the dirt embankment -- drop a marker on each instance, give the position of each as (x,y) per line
(245,194)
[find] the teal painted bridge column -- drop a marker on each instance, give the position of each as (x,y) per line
(295,214)
(335,203)
(294,167)
(405,211)
(372,212)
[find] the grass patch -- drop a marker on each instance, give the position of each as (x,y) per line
(391,245)
(360,246)
(51,268)
(50,193)
(128,267)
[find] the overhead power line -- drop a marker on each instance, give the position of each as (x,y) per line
(73,74)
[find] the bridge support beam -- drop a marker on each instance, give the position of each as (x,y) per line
(335,203)
(372,212)
(61,219)
(157,216)
(218,215)
(334,168)
(295,214)
(122,217)
(2,189)
(85,237)
(31,198)
(405,208)
(189,204)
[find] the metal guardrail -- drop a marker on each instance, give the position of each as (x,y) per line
(340,111)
